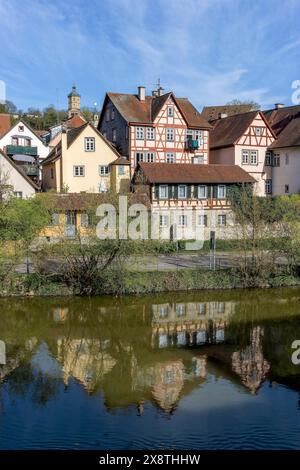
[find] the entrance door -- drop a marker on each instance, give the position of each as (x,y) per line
(70,230)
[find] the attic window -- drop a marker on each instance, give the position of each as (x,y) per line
(170,111)
(21,128)
(258,131)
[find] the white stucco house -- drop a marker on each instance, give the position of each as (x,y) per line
(11,175)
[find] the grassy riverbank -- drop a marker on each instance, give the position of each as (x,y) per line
(138,283)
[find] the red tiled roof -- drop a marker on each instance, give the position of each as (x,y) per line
(75,121)
(192,173)
(136,111)
(5,124)
(212,112)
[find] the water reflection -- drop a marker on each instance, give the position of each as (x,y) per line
(139,351)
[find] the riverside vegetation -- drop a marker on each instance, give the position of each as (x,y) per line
(268,244)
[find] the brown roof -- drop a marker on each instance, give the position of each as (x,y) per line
(278,119)
(5,124)
(87,201)
(54,155)
(135,111)
(121,161)
(290,136)
(213,112)
(192,173)
(75,121)
(20,170)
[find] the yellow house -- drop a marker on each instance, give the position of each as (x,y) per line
(81,162)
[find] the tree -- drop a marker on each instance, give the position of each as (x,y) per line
(87,114)
(253,105)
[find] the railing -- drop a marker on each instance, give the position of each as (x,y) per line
(30,170)
(21,150)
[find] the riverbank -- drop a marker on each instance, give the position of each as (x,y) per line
(147,282)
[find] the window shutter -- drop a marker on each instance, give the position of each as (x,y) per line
(215,191)
(170,191)
(156,191)
(175,191)
(188,191)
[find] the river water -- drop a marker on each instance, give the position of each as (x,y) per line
(205,370)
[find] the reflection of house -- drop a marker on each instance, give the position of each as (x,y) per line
(249,363)
(85,360)
(192,323)
(166,379)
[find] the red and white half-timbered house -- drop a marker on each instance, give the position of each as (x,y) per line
(155,129)
(244,140)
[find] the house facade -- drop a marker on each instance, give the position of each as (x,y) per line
(81,162)
(160,128)
(188,199)
(14,179)
(244,140)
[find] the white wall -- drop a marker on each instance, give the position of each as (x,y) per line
(43,150)
(12,177)
(288,173)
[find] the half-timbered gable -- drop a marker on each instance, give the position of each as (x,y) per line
(244,140)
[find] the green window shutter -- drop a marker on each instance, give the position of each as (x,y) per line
(215,191)
(170,191)
(175,191)
(189,191)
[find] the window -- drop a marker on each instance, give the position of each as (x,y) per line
(198,159)
(104,134)
(286,188)
(201,307)
(222,219)
(202,191)
(199,135)
(54,222)
(79,170)
(139,133)
(268,187)
(202,220)
(268,158)
(27,141)
(180,310)
(52,173)
(182,192)
(170,135)
(221,191)
(89,144)
(18,194)
(170,111)
(163,220)
(287,159)
(245,157)
(163,191)
(112,114)
(21,128)
(258,131)
(276,159)
(14,141)
(121,169)
(148,157)
(107,115)
(85,220)
(150,132)
(170,157)
(103,170)
(182,221)
(114,135)
(253,157)
(189,134)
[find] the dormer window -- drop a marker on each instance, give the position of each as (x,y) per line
(170,111)
(89,144)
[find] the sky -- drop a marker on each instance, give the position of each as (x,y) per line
(211,51)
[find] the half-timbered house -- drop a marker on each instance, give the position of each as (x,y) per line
(160,128)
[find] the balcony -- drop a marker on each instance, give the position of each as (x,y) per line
(192,144)
(20,150)
(30,170)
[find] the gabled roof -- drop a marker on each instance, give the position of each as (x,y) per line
(5,124)
(278,119)
(213,112)
(72,135)
(120,161)
(192,173)
(22,121)
(133,110)
(75,121)
(19,170)
(290,136)
(227,131)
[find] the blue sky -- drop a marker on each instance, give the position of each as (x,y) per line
(211,51)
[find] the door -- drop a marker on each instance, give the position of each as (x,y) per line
(70,229)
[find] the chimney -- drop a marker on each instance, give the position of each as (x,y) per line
(279,105)
(222,115)
(141,93)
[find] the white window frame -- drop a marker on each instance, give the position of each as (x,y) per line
(224,191)
(170,111)
(198,159)
(268,160)
(161,188)
(276,160)
(170,134)
(180,186)
(254,153)
(170,157)
(182,220)
(268,186)
(245,153)
(222,220)
(150,133)
(163,220)
(103,170)
(258,131)
(89,144)
(121,170)
(140,133)
(202,220)
(79,169)
(18,194)
(201,186)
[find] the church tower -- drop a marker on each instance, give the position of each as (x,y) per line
(73,102)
